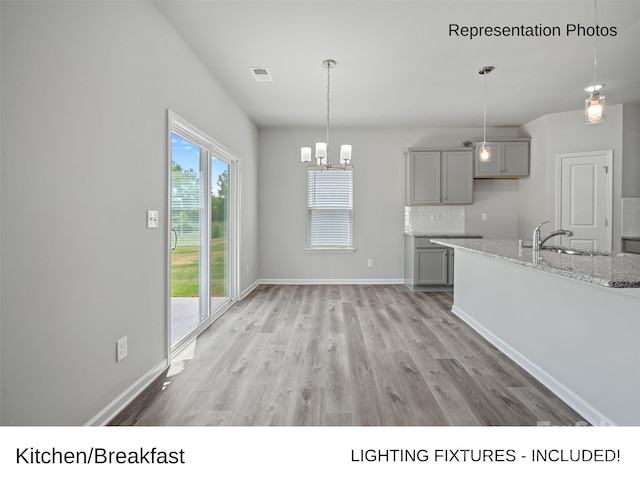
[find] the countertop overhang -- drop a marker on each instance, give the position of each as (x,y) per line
(442,235)
(618,270)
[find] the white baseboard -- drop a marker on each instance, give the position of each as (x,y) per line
(331,281)
(586,410)
(122,400)
(249,289)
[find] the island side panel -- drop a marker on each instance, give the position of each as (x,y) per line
(581,340)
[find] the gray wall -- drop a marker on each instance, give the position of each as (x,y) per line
(631,151)
(565,133)
(378,201)
(499,200)
(85,92)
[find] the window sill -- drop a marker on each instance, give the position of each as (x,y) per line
(330,249)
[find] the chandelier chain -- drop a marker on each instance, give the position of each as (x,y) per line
(328,101)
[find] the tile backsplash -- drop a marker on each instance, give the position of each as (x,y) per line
(434,219)
(630,217)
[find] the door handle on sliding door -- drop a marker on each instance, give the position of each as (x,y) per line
(174,234)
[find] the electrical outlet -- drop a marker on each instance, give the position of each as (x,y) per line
(121,349)
(152,219)
(484,217)
(370,262)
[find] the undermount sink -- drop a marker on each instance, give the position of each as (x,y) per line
(572,251)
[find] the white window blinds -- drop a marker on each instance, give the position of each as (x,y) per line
(330,201)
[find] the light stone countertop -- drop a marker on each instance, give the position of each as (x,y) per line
(617,270)
(442,235)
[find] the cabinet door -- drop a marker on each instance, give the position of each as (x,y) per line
(451,256)
(432,266)
(515,159)
(630,246)
(491,168)
(457,177)
(424,178)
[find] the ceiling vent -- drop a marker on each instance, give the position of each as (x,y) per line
(261,74)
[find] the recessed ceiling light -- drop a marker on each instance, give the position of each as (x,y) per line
(592,88)
(261,74)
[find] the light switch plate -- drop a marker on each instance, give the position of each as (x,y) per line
(152,218)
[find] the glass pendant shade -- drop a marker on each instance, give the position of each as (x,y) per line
(305,154)
(485,153)
(345,154)
(594,109)
(321,151)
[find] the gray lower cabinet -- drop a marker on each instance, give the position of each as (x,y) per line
(432,266)
(427,266)
(437,177)
(630,245)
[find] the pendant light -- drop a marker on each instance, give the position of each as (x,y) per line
(322,148)
(485,151)
(594,105)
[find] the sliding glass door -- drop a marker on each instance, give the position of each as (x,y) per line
(201,236)
(187,202)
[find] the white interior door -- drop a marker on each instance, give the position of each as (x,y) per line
(585,198)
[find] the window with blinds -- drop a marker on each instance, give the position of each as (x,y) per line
(330,201)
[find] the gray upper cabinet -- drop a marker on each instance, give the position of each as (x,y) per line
(439,177)
(509,159)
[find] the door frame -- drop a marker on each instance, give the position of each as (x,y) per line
(608,187)
(178,125)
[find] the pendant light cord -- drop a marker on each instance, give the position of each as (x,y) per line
(595,45)
(484,117)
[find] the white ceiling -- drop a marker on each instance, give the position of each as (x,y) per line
(397,64)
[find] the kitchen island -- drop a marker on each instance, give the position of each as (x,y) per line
(573,322)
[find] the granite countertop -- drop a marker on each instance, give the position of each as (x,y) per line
(616,270)
(443,235)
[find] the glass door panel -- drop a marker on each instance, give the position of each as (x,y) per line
(219,259)
(203,223)
(187,202)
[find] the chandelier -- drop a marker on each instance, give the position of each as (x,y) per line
(321,153)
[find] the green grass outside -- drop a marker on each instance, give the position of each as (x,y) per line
(185,272)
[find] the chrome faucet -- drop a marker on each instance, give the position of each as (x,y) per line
(537,243)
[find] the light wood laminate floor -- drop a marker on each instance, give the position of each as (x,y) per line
(344,355)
